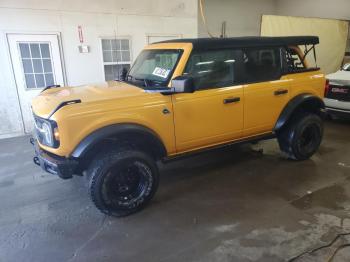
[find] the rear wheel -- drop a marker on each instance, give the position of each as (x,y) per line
(122,183)
(301,138)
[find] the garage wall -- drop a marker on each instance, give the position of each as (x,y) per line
(133,18)
(242,17)
(336,9)
(332,34)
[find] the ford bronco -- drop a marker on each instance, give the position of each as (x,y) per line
(179,97)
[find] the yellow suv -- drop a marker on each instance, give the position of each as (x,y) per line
(179,97)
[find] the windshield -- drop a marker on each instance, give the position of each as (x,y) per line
(154,68)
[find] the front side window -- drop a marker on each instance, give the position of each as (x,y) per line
(116,56)
(262,64)
(154,68)
(215,68)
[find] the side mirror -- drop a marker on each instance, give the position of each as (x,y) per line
(183,84)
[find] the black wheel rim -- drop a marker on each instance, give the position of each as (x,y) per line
(127,184)
(309,139)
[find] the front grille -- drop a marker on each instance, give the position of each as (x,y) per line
(339,92)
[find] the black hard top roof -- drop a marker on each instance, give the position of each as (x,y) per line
(248,41)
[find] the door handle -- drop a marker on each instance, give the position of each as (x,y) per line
(280,92)
(166,111)
(232,100)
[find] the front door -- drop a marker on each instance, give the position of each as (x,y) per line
(213,114)
(36,62)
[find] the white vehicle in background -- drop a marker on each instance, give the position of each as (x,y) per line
(337,93)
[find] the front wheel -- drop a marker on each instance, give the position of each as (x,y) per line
(301,138)
(122,183)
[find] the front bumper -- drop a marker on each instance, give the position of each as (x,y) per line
(55,165)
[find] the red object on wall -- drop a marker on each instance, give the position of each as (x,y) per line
(80,32)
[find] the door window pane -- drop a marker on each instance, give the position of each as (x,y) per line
(47,65)
(38,67)
(49,80)
(40,81)
(24,48)
(30,82)
(45,50)
(34,49)
(27,66)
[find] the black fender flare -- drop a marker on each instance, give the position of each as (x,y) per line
(306,101)
(116,130)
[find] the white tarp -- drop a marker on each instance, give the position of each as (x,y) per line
(332,33)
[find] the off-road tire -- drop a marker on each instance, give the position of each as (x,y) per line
(302,136)
(110,178)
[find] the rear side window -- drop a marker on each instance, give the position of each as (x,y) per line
(215,68)
(292,62)
(262,64)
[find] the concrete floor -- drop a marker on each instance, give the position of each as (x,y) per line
(229,205)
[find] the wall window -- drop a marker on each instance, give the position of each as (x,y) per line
(37,64)
(217,68)
(116,56)
(262,64)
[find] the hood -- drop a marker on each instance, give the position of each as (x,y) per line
(341,77)
(46,102)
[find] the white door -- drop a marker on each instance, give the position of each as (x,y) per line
(36,62)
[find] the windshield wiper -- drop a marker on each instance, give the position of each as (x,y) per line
(131,78)
(145,81)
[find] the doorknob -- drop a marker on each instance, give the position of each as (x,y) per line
(280,92)
(232,100)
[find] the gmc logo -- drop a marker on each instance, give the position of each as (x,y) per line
(340,90)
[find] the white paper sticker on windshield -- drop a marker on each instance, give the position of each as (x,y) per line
(161,72)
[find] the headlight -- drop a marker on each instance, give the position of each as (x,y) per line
(45,130)
(47,133)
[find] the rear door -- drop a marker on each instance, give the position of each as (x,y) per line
(213,114)
(266,92)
